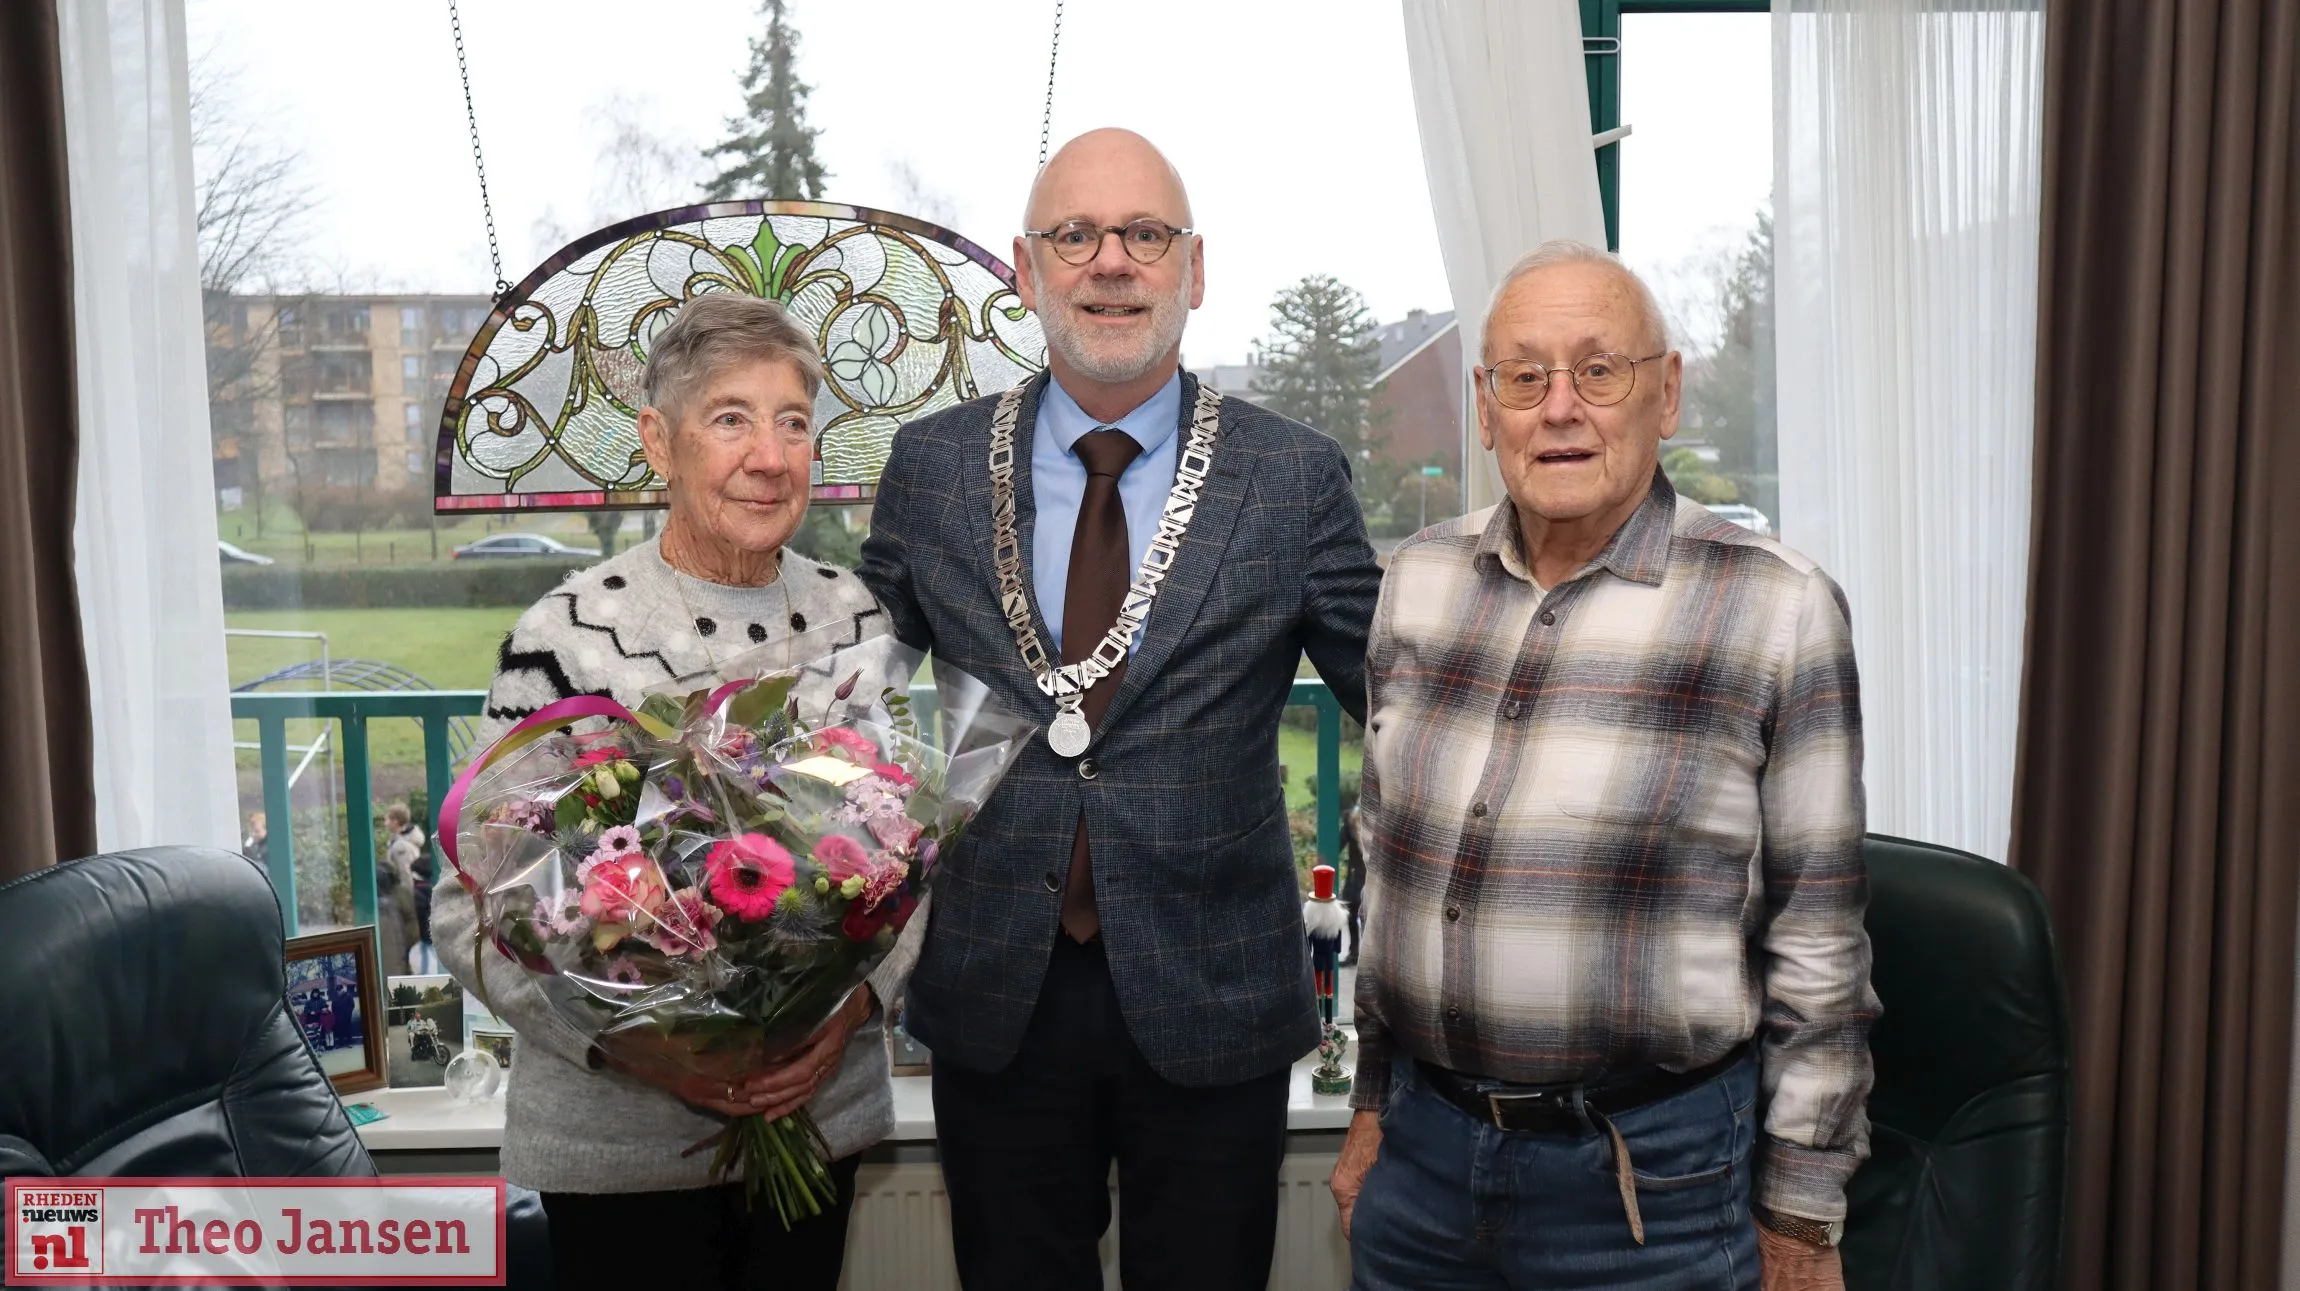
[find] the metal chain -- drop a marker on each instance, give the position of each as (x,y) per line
(478,162)
(1053,53)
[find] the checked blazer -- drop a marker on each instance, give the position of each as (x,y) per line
(1193,862)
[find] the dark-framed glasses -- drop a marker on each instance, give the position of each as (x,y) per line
(1599,379)
(1078,241)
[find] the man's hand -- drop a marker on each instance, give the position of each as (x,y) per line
(1359,1151)
(1792,1265)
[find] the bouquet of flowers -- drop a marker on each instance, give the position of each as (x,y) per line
(701,884)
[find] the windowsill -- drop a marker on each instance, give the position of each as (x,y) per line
(428,1120)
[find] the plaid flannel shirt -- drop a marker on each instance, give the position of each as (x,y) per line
(1617,823)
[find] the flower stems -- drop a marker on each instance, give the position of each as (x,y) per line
(784,1158)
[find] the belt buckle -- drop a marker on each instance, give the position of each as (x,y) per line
(1560,1101)
(1496,1099)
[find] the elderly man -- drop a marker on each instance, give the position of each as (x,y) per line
(1114,965)
(1613,800)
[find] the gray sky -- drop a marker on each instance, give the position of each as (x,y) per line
(1291,120)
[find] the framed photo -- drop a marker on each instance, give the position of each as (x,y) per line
(907,1056)
(497,1043)
(334,992)
(423,1029)
(476,1018)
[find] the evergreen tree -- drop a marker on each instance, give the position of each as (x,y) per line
(769,150)
(1318,366)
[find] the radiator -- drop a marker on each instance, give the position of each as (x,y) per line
(899,1237)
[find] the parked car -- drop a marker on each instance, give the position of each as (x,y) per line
(520,544)
(1748,517)
(234,556)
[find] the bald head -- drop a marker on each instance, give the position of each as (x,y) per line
(1630,290)
(1109,176)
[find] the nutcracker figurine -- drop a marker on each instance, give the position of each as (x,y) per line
(1326,922)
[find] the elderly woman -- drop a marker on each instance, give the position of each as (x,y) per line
(731,386)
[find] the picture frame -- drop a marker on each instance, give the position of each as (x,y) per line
(334,992)
(906,1056)
(497,1044)
(424,1028)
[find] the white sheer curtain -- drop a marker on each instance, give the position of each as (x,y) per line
(151,604)
(1503,107)
(1906,172)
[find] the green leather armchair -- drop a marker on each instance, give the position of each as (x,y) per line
(1969,1120)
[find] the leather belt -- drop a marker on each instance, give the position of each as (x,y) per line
(1561,1109)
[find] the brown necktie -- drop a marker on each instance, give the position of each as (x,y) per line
(1099,572)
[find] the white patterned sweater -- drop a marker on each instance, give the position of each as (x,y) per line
(616,629)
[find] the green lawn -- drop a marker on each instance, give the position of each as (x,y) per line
(1298,750)
(450,649)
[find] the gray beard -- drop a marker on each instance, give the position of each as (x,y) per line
(1067,338)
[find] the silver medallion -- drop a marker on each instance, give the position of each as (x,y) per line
(1069,735)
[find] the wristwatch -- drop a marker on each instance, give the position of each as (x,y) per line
(1810,1231)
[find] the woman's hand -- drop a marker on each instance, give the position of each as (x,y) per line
(787,1085)
(730,1083)
(668,1064)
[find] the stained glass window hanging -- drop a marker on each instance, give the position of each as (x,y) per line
(910,318)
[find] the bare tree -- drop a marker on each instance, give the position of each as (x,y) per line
(640,169)
(250,201)
(917,197)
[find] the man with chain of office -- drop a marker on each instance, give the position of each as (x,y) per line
(1114,966)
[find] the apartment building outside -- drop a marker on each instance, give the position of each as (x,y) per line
(331,391)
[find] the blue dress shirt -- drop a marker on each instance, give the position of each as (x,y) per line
(1058,486)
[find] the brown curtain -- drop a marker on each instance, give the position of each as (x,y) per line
(2160,722)
(47,793)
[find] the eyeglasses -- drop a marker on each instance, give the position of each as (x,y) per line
(1078,241)
(1599,379)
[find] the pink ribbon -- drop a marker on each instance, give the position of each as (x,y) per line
(558,713)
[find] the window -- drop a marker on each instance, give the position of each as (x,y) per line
(420,288)
(335,421)
(1688,198)
(342,326)
(347,467)
(341,372)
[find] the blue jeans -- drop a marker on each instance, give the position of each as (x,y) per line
(1453,1204)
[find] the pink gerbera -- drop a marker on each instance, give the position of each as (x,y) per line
(841,857)
(747,874)
(622,840)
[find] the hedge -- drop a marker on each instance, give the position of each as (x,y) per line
(471,583)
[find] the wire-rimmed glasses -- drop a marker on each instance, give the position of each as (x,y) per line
(1599,379)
